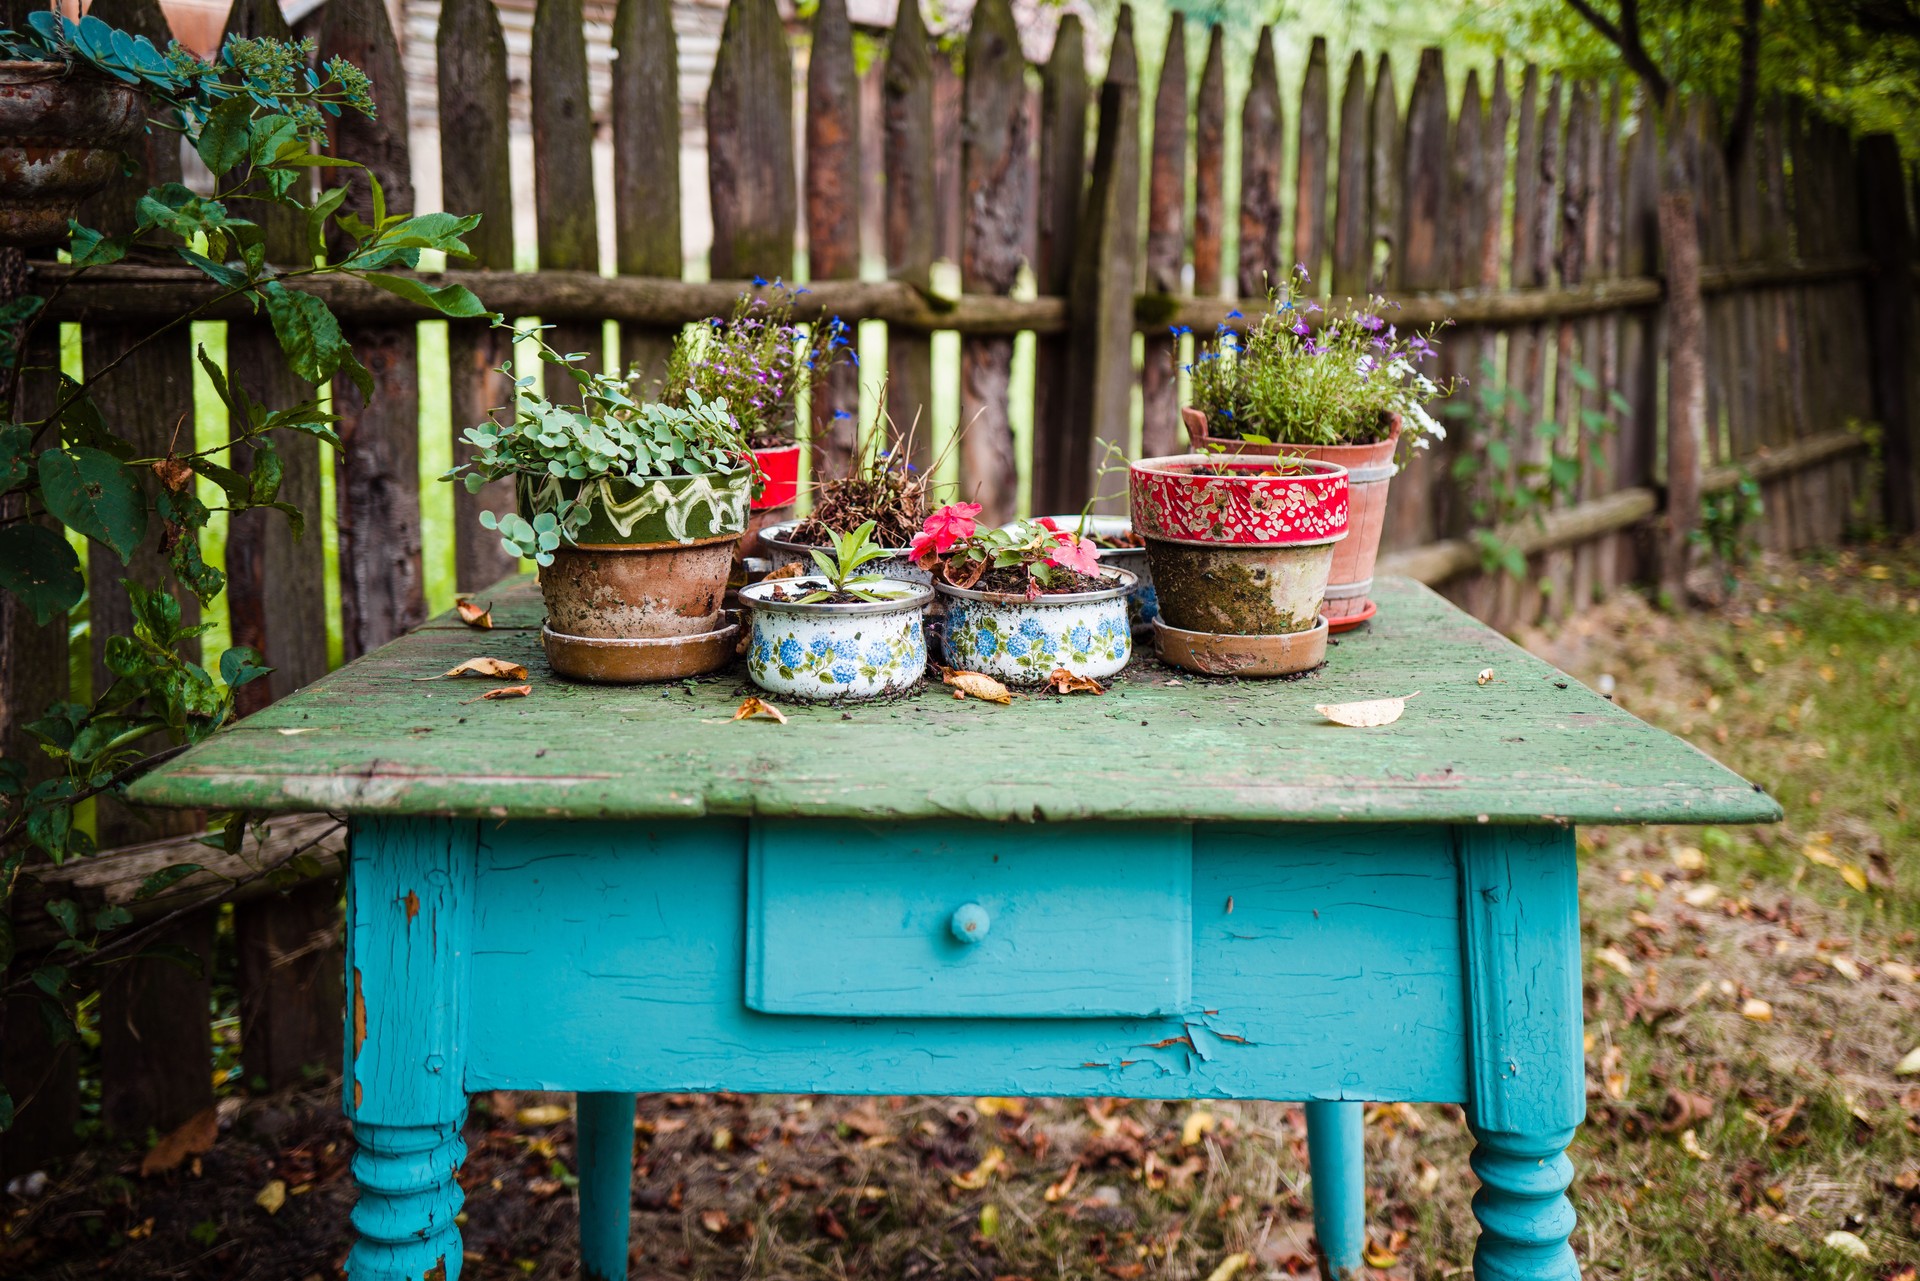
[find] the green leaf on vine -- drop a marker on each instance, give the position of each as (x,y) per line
(310,335)
(94,493)
(91,248)
(16,455)
(67,912)
(40,568)
(240,665)
(165,879)
(449,300)
(225,137)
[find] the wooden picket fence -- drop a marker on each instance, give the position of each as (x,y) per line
(1522,207)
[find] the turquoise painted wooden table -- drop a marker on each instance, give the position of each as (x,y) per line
(1183,889)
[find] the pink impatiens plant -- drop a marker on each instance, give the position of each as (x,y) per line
(953,547)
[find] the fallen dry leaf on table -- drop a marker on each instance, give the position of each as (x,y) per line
(1367,714)
(751,708)
(792,569)
(486,668)
(479,616)
(196,1136)
(1485,677)
(505,691)
(978,684)
(1062,681)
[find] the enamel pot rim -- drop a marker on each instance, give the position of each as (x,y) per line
(918,595)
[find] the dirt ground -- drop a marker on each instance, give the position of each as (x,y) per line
(1751,1009)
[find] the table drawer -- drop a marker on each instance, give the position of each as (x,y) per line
(975,920)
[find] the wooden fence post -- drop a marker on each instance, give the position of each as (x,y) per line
(1209,162)
(997,189)
(1310,169)
(646,166)
(1384,169)
(833,219)
(476,176)
(377,478)
(1351,251)
(568,227)
(910,224)
(1160,431)
(1260,142)
(1063,180)
(1889,242)
(1421,257)
(1686,368)
(750,145)
(1105,275)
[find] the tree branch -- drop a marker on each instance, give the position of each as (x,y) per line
(1625,36)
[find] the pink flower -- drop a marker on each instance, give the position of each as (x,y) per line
(1046,522)
(948,526)
(1077,554)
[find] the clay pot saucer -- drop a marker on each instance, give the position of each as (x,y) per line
(1220,654)
(619,661)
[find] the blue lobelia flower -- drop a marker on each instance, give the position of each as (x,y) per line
(790,652)
(985,643)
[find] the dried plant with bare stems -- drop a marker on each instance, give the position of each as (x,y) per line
(882,485)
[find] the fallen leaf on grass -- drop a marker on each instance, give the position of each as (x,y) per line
(473,615)
(541,1115)
(1062,681)
(505,691)
(272,1197)
(1846,1243)
(994,1106)
(1900,971)
(1705,894)
(487,668)
(714,1221)
(1854,876)
(1684,1109)
(1614,959)
(1058,1191)
(1378,1256)
(1909,1065)
(1846,967)
(1367,714)
(754,708)
(1230,1267)
(1756,1009)
(195,1136)
(976,1178)
(978,684)
(1690,1143)
(1199,1122)
(1689,858)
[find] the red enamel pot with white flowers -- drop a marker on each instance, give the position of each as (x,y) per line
(1240,546)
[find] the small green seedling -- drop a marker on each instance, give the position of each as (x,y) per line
(851,552)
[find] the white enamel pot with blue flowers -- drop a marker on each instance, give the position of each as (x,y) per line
(820,651)
(1021,640)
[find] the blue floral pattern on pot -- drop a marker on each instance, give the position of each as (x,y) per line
(822,652)
(1021,641)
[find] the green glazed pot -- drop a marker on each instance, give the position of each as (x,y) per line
(665,509)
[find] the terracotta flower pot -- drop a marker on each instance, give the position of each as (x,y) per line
(1370,469)
(650,564)
(62,134)
(1235,550)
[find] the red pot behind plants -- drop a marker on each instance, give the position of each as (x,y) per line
(1370,469)
(781,467)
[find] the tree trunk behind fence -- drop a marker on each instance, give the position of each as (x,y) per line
(997,189)
(476,177)
(833,219)
(377,477)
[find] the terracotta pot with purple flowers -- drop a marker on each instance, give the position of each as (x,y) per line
(758,361)
(1338,385)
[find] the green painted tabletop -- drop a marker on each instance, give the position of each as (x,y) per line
(1532,744)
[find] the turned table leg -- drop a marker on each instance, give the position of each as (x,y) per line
(1526,1079)
(1337,1157)
(409,913)
(603,1130)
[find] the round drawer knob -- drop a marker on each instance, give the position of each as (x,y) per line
(970,923)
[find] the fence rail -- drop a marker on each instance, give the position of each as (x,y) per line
(1524,207)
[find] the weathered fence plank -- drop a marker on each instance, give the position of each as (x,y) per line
(1209,168)
(645,105)
(1422,256)
(1310,170)
(1166,246)
(476,177)
(997,187)
(1384,176)
(565,212)
(1889,239)
(1260,146)
(1062,179)
(750,145)
(1105,270)
(1352,253)
(907,105)
(377,468)
(833,219)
